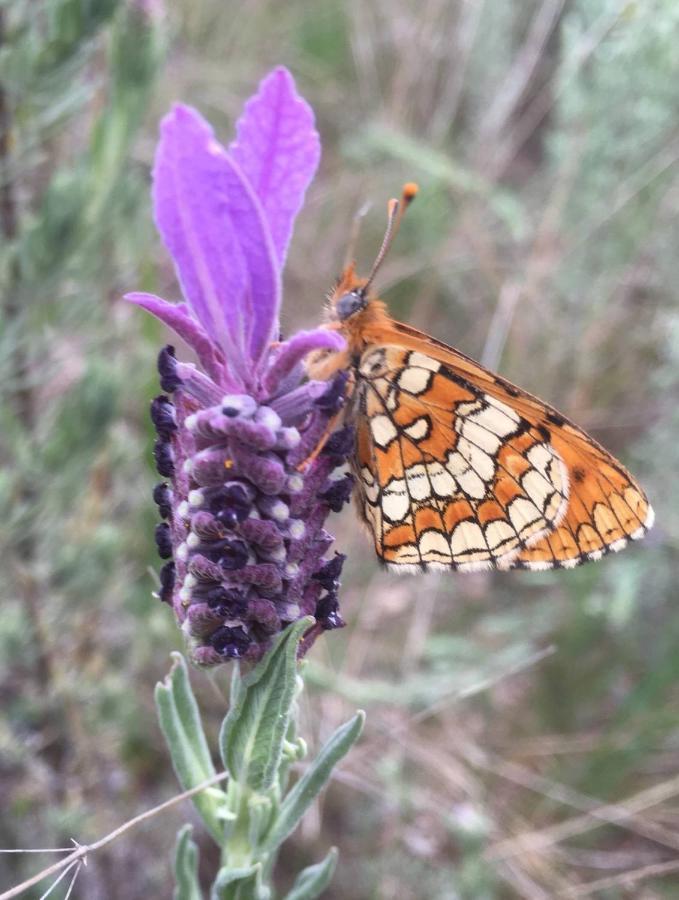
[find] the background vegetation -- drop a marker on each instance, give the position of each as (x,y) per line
(522,736)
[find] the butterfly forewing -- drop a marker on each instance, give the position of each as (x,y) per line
(459,469)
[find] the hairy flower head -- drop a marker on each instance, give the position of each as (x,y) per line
(246,496)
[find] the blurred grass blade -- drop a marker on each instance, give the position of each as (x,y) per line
(183,730)
(298,800)
(253,732)
(312,881)
(186,867)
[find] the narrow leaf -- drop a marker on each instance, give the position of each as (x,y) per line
(254,730)
(312,881)
(183,730)
(186,867)
(235,882)
(303,793)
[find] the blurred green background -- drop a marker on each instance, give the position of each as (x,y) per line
(523,735)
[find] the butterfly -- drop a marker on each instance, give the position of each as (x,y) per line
(457,468)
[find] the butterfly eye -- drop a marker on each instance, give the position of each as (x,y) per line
(348,304)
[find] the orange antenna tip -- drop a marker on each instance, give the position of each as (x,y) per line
(410,191)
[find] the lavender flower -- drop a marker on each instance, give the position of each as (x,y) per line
(243,509)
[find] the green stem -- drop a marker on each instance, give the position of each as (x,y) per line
(237,851)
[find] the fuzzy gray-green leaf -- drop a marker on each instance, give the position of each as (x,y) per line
(312,881)
(183,730)
(301,796)
(242,883)
(253,732)
(186,867)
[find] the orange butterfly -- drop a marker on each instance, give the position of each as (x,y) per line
(455,467)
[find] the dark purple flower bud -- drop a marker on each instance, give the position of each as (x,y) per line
(164,457)
(231,503)
(339,492)
(167,579)
(333,399)
(167,369)
(234,555)
(162,496)
(163,540)
(231,643)
(227,601)
(163,416)
(327,612)
(340,444)
(330,574)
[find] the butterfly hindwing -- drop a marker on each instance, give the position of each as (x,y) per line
(458,469)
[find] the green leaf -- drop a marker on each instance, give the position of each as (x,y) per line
(183,730)
(243,883)
(253,732)
(312,881)
(298,800)
(186,866)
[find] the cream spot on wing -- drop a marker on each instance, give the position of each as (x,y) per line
(618,545)
(419,428)
(415,380)
(383,430)
(471,484)
(424,362)
(504,408)
(466,409)
(540,456)
(373,364)
(370,487)
(407,554)
(525,517)
(466,478)
(418,482)
(395,500)
(391,400)
(442,481)
(569,563)
(467,540)
(537,487)
(456,464)
(479,461)
(434,543)
(501,537)
(478,435)
(497,421)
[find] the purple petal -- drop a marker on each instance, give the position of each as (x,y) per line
(216,232)
(277,148)
(293,352)
(180,320)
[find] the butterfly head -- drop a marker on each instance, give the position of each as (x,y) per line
(349,304)
(351,295)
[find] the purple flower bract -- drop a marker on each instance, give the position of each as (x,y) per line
(247,495)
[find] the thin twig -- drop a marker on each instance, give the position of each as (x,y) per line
(625,879)
(82,850)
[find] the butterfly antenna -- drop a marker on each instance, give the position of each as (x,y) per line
(359,215)
(395,212)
